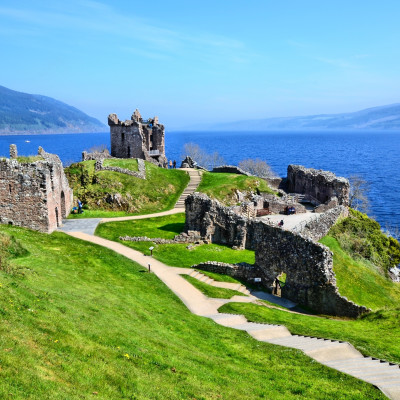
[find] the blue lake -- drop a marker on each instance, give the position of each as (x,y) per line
(374,156)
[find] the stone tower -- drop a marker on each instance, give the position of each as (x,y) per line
(138,138)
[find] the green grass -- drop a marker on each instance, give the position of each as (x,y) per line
(219,277)
(212,291)
(171,254)
(360,281)
(159,227)
(158,192)
(221,186)
(29,159)
(81,322)
(375,334)
(128,163)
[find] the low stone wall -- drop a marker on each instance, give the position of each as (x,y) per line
(230,169)
(141,174)
(96,155)
(242,271)
(319,226)
(190,237)
(308,265)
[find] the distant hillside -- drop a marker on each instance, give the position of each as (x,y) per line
(376,118)
(22,113)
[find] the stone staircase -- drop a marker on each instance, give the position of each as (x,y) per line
(224,285)
(332,353)
(195,178)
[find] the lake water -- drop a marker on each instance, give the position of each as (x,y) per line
(374,156)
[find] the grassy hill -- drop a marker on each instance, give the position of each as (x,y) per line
(222,186)
(108,193)
(81,322)
(31,113)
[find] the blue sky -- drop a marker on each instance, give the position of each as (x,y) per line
(200,62)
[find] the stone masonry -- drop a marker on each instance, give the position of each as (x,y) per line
(138,138)
(318,184)
(308,265)
(34,194)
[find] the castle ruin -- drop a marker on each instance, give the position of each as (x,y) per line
(138,138)
(34,193)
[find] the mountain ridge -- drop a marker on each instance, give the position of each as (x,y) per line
(24,113)
(385,117)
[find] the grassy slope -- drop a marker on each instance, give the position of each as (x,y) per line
(158,192)
(360,281)
(172,254)
(212,291)
(84,322)
(374,334)
(222,186)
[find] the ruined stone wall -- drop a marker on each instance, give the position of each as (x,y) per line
(215,222)
(242,271)
(96,155)
(309,265)
(34,195)
(319,226)
(322,185)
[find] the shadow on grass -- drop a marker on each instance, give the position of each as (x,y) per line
(176,228)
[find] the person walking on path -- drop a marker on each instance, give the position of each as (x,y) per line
(170,164)
(80,211)
(174,164)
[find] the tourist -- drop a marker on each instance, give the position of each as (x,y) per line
(170,164)
(174,164)
(80,211)
(280,223)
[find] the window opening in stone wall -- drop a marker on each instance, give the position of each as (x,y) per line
(129,151)
(57,221)
(63,210)
(123,136)
(10,223)
(10,188)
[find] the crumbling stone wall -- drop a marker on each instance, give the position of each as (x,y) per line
(137,138)
(309,265)
(36,194)
(96,155)
(322,185)
(242,271)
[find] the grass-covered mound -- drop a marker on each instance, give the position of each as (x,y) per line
(375,334)
(362,237)
(222,186)
(362,255)
(108,193)
(177,255)
(82,322)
